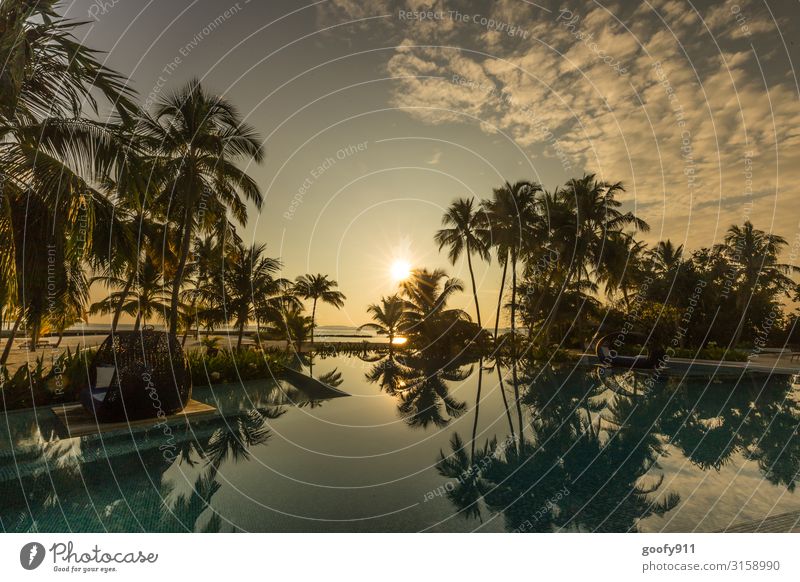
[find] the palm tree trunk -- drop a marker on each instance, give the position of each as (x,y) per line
(514,303)
(477,411)
(556,304)
(474,288)
(535,310)
(500,299)
(241,333)
(138,320)
(737,336)
(192,309)
(60,337)
(517,402)
(505,400)
(176,285)
(122,299)
(626,299)
(313,319)
(11,335)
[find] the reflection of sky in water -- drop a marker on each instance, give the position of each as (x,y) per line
(276,461)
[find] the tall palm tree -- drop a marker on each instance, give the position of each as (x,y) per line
(247,274)
(595,214)
(620,265)
(467,234)
(754,254)
(319,288)
(511,216)
(197,138)
(51,156)
(387,316)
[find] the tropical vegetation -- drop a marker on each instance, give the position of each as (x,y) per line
(148,202)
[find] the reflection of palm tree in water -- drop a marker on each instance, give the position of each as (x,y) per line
(233,441)
(128,491)
(420,383)
(573,471)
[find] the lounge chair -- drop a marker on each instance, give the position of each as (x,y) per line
(606,358)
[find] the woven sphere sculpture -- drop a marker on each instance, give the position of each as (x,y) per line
(147,377)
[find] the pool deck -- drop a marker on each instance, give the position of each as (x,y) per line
(765,363)
(77,422)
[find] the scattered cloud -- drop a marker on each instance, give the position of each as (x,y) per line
(700,126)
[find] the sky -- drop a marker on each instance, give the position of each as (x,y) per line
(376,114)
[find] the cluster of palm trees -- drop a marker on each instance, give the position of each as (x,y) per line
(564,247)
(145,201)
(420,314)
(521,224)
(617,424)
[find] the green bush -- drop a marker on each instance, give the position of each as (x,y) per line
(38,385)
(712,352)
(231,366)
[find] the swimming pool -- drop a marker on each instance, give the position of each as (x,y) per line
(409,450)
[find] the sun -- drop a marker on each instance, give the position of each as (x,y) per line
(400,270)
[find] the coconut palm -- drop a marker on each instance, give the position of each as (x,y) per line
(511,216)
(467,234)
(248,273)
(46,70)
(620,265)
(753,254)
(426,293)
(387,316)
(296,325)
(144,300)
(318,288)
(665,258)
(51,156)
(197,138)
(594,214)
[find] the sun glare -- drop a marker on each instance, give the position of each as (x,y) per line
(400,270)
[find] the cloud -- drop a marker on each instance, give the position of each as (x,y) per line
(700,127)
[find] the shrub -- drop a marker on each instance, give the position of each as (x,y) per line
(231,366)
(38,385)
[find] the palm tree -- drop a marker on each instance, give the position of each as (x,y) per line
(512,219)
(296,325)
(753,253)
(319,288)
(468,234)
(207,257)
(594,214)
(665,257)
(620,265)
(196,139)
(388,316)
(248,273)
(426,295)
(142,300)
(50,156)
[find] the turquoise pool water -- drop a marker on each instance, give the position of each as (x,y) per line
(599,453)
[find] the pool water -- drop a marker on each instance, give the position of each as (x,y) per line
(424,445)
